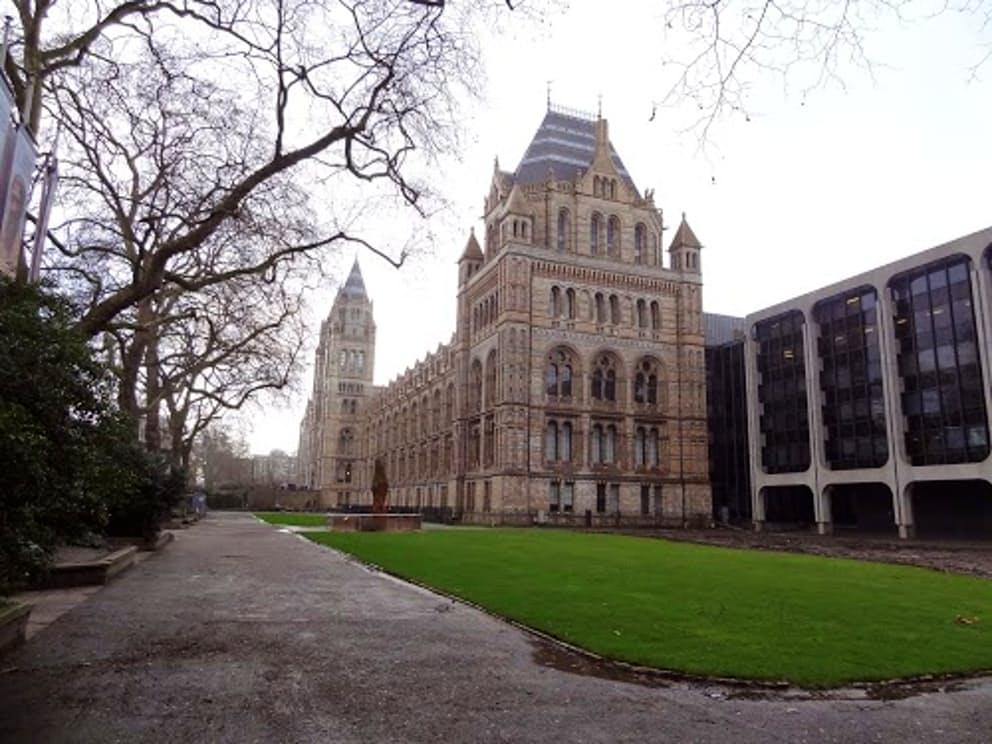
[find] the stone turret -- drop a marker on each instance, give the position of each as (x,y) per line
(471,260)
(685,249)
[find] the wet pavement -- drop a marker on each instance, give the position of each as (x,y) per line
(240,632)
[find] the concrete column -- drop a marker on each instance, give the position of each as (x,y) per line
(758,510)
(907,527)
(981,290)
(822,511)
(895,429)
(814,405)
(753,430)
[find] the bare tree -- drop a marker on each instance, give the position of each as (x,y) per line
(726,46)
(345,96)
(244,339)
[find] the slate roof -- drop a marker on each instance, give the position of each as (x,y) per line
(354,287)
(566,143)
(472,249)
(685,237)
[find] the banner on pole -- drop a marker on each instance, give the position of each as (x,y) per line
(7,139)
(50,185)
(15,203)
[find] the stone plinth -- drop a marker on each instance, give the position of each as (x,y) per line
(373,522)
(13,624)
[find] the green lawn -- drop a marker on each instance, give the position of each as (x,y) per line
(292,519)
(814,621)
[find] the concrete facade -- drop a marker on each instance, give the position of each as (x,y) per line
(923,420)
(573,389)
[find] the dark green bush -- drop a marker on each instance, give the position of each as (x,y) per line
(69,461)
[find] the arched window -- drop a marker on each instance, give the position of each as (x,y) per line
(613,236)
(516,228)
(565,442)
(570,303)
(639,243)
(646,383)
(604,379)
(655,316)
(345,440)
(565,379)
(655,253)
(610,444)
(551,379)
(639,448)
(596,444)
(558,374)
(614,310)
(551,442)
(449,403)
(564,244)
(554,307)
(491,379)
(595,185)
(642,314)
(595,229)
(475,387)
(600,308)
(613,189)
(652,448)
(436,411)
(523,228)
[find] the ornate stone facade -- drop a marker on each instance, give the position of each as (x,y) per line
(573,389)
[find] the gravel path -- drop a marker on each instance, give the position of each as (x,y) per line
(239,632)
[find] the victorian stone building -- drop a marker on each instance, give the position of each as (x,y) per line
(573,389)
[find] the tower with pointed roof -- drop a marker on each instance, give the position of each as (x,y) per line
(331,433)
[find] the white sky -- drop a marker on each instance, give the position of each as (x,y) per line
(799,197)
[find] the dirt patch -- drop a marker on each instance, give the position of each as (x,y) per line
(973,558)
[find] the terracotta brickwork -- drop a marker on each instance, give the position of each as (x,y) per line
(573,389)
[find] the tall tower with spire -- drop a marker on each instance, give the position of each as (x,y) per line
(330,435)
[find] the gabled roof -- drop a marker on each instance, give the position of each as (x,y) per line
(564,143)
(472,249)
(685,237)
(354,287)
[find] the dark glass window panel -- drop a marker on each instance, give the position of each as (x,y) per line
(944,402)
(782,392)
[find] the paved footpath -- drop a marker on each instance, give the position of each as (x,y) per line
(239,632)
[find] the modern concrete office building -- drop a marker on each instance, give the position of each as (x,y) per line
(869,399)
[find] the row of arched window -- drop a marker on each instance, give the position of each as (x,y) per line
(429,415)
(604,446)
(563,303)
(420,463)
(605,378)
(485,312)
(605,188)
(477,394)
(352,360)
(606,238)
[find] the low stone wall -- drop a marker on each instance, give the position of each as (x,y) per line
(13,624)
(89,573)
(373,522)
(265,498)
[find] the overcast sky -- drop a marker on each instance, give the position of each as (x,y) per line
(802,195)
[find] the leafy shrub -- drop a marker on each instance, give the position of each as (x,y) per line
(71,464)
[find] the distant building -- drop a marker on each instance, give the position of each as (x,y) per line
(573,389)
(869,399)
(274,469)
